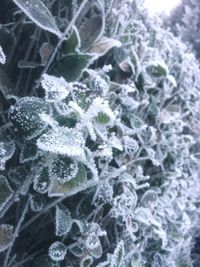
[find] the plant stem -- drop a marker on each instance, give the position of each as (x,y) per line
(16,233)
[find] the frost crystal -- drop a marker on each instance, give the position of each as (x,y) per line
(56,89)
(57,251)
(2,56)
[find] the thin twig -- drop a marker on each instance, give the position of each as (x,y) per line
(16,233)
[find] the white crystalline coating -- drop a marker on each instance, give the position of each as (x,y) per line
(57,251)
(64,141)
(2,56)
(56,89)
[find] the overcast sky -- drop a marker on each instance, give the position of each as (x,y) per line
(158,6)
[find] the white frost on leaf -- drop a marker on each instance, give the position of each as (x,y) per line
(56,89)
(2,56)
(64,141)
(57,251)
(63,220)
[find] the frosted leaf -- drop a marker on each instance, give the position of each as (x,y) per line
(157,260)
(78,183)
(29,151)
(7,149)
(100,111)
(118,256)
(143,215)
(37,203)
(6,236)
(104,151)
(2,56)
(136,122)
(131,145)
(104,192)
(18,174)
(39,13)
(158,69)
(103,45)
(5,191)
(114,142)
(25,116)
(104,264)
(149,199)
(56,89)
(63,169)
(78,250)
(41,180)
(57,251)
(63,220)
(148,136)
(86,261)
(45,261)
(93,246)
(90,30)
(64,141)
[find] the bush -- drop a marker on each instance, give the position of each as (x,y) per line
(99,144)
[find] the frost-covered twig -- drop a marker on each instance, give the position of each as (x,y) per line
(16,232)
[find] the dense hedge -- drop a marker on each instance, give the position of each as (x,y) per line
(99,141)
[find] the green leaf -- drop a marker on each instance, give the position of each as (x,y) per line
(72,43)
(103,45)
(7,149)
(29,151)
(41,180)
(69,188)
(63,220)
(118,256)
(57,251)
(25,116)
(158,69)
(93,246)
(6,235)
(45,261)
(37,203)
(39,13)
(5,191)
(90,31)
(86,261)
(72,66)
(7,39)
(104,264)
(63,169)
(102,118)
(63,141)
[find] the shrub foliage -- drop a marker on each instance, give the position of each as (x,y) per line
(99,137)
